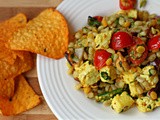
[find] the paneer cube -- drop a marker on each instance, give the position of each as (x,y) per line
(146,104)
(87,74)
(133,14)
(122,102)
(150,74)
(130,76)
(135,89)
(102,40)
(141,80)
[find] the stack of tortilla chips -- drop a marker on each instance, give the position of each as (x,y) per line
(47,34)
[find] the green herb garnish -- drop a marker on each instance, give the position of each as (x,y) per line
(93,22)
(105,75)
(143,3)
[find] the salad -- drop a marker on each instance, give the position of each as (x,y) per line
(115,59)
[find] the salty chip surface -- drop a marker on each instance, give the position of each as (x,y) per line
(12,63)
(47,34)
(24,99)
(7,29)
(21,65)
(7,88)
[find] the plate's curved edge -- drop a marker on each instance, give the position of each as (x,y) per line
(40,79)
(43,89)
(39,57)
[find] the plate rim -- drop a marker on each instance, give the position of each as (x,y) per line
(40,81)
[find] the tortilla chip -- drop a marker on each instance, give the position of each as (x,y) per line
(9,55)
(7,29)
(24,99)
(47,34)
(5,54)
(13,63)
(7,88)
(21,64)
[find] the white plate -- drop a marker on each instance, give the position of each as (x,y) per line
(58,87)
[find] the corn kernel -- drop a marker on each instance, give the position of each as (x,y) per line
(126,24)
(158,54)
(109,61)
(94,29)
(90,36)
(78,35)
(104,22)
(153,95)
(153,30)
(140,49)
(107,103)
(78,86)
(90,95)
(123,12)
(121,21)
(87,90)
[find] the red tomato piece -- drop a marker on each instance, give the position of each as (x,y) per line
(133,54)
(99,18)
(121,40)
(154,43)
(100,58)
(133,2)
(127,4)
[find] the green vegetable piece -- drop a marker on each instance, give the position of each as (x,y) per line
(108,95)
(74,58)
(132,54)
(150,73)
(116,21)
(116,30)
(93,22)
(105,75)
(85,30)
(143,3)
(149,107)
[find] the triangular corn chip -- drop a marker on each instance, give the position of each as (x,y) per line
(12,63)
(7,29)
(7,88)
(24,99)
(20,65)
(47,34)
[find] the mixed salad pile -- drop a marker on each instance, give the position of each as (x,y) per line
(116,59)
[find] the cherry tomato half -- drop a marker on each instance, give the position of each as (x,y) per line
(127,4)
(154,43)
(136,57)
(121,40)
(99,18)
(100,58)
